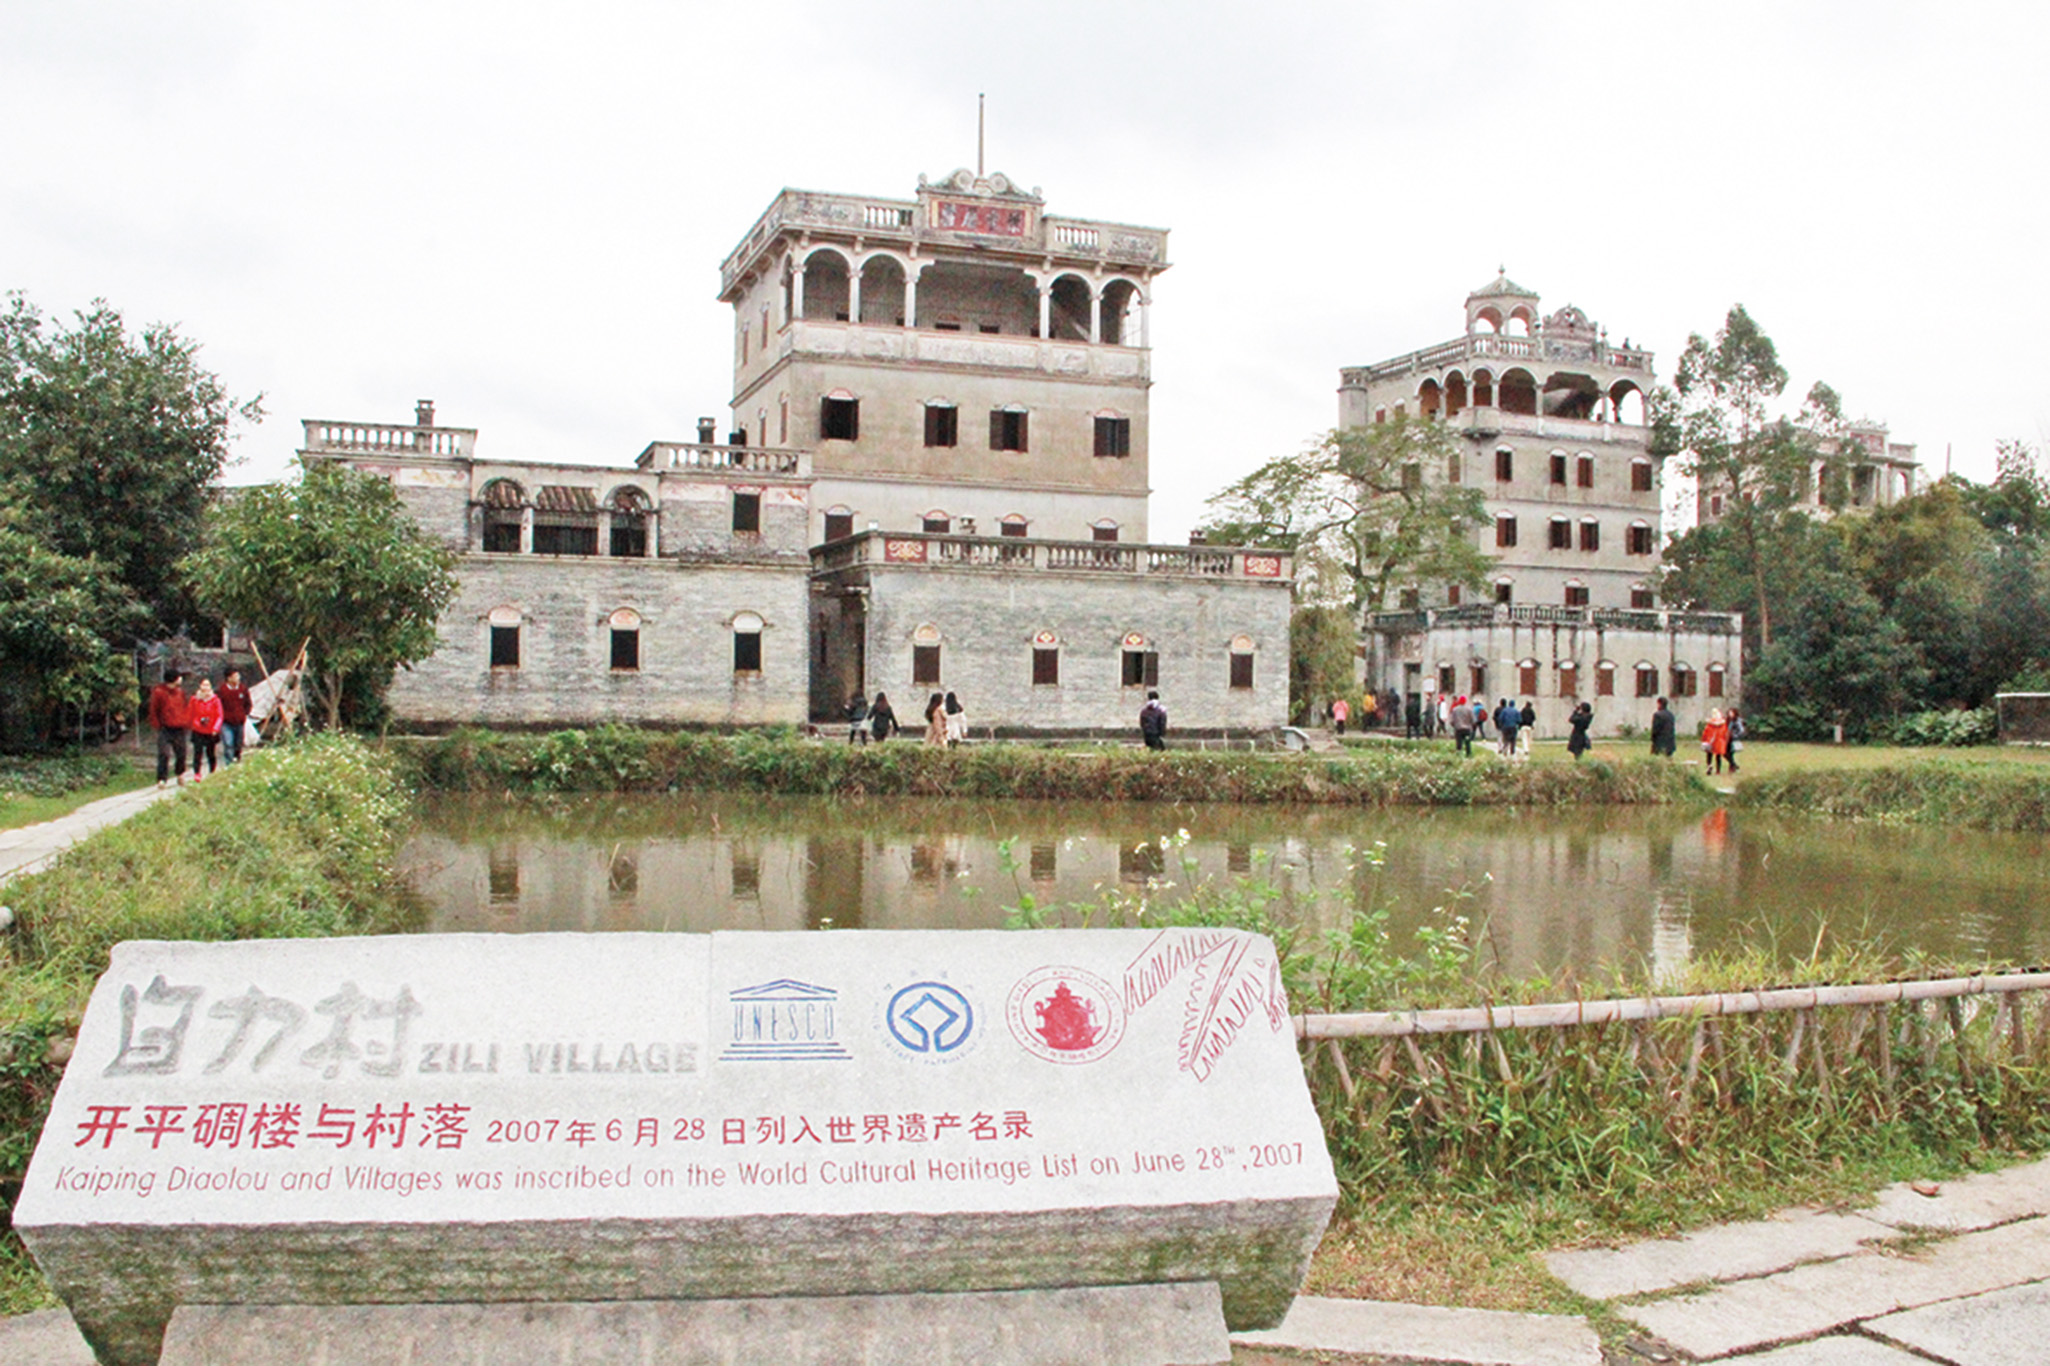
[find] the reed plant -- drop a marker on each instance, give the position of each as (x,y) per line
(1984,795)
(608,759)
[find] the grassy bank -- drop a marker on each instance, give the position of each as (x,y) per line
(294,841)
(620,760)
(1976,793)
(44,788)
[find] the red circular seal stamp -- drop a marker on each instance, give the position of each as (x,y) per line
(1065,1015)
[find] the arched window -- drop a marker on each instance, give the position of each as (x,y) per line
(1241,662)
(1527,677)
(1139,661)
(1716,675)
(1013,524)
(1605,678)
(1641,596)
(503,515)
(839,523)
(1046,660)
(1103,530)
(882,292)
(840,416)
(925,655)
(1576,593)
(1559,534)
(1583,471)
(747,643)
(1505,590)
(1641,539)
(1590,534)
(625,625)
(1114,313)
(936,522)
(1683,679)
(504,624)
(1641,475)
(942,423)
(1647,680)
(826,286)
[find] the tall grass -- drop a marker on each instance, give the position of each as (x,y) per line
(1982,796)
(611,759)
(296,840)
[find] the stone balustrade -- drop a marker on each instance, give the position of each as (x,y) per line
(1491,347)
(713,458)
(359,438)
(1418,621)
(1022,554)
(928,347)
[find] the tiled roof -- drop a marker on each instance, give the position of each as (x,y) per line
(565,498)
(501,493)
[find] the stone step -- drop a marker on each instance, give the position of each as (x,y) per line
(1416,1332)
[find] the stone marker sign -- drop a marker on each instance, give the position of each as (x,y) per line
(561,1117)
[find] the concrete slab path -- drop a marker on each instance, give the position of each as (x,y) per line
(30,848)
(1415,1332)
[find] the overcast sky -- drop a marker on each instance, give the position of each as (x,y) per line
(519,210)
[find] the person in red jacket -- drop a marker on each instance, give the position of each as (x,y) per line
(234,715)
(171,713)
(205,720)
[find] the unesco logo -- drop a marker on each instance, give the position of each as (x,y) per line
(930,1021)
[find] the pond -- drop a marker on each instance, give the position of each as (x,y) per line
(1544,890)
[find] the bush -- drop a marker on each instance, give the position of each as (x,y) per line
(55,775)
(1979,795)
(1948,727)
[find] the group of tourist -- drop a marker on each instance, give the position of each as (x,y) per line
(206,720)
(1722,736)
(946,720)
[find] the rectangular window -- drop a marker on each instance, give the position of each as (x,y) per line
(505,647)
(747,652)
(1590,535)
(1046,666)
(1505,466)
(629,536)
(1103,533)
(1683,682)
(1006,429)
(1142,669)
(1452,470)
(1241,671)
(1715,682)
(626,649)
(1583,472)
(925,664)
(1505,531)
(1569,681)
(1114,436)
(1576,595)
(1647,681)
(1447,681)
(942,425)
(1526,679)
(1640,476)
(839,525)
(1010,528)
(1478,675)
(1453,593)
(502,537)
(1640,540)
(747,512)
(1560,535)
(1504,592)
(1559,468)
(1605,682)
(839,419)
(936,526)
(1641,598)
(565,537)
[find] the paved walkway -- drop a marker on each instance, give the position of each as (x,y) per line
(29,848)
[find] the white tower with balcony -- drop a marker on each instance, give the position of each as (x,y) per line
(1555,438)
(959,362)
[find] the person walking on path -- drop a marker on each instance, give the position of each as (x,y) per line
(1443,711)
(170,711)
(1508,721)
(957,720)
(936,720)
(857,720)
(204,716)
(1462,726)
(1736,737)
(1412,717)
(1153,722)
(1528,724)
(1341,712)
(1663,730)
(1577,742)
(234,715)
(882,718)
(1715,740)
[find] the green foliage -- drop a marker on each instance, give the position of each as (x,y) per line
(57,775)
(1979,796)
(1321,645)
(614,758)
(110,443)
(56,615)
(1366,511)
(1979,726)
(1838,654)
(334,560)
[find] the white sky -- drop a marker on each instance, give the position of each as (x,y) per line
(519,210)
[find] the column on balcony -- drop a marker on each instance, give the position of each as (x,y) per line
(1044,287)
(911,270)
(527,530)
(796,290)
(854,294)
(605,531)
(1095,312)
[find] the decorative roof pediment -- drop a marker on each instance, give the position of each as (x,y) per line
(995,185)
(1502,287)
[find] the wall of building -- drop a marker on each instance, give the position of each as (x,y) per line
(903,504)
(564,605)
(986,623)
(1499,648)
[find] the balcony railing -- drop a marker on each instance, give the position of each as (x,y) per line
(377,438)
(1000,350)
(1490,347)
(1537,614)
(694,455)
(1017,553)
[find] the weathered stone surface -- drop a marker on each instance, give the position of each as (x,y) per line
(47,1337)
(1971,1202)
(1725,1253)
(1417,1332)
(1152,1325)
(650,1116)
(1836,1351)
(1811,1300)
(2009,1327)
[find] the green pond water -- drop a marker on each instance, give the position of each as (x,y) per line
(1639,888)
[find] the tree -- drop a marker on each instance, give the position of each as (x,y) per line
(1322,642)
(2017,502)
(55,615)
(1720,415)
(109,444)
(333,560)
(1839,660)
(1365,511)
